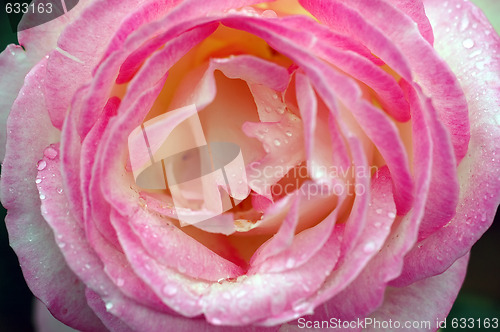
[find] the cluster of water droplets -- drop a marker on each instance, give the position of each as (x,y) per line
(49,153)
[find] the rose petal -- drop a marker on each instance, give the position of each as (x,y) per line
(387,264)
(430,299)
(44,268)
(45,322)
(478,172)
(381,214)
(78,52)
(444,190)
(41,39)
(384,85)
(14,65)
(16,61)
(415,9)
(252,298)
(433,73)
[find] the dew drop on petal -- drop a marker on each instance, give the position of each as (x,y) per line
(391,215)
(269,13)
(464,24)
(109,306)
(288,133)
(379,211)
(170,290)
(41,165)
(42,196)
(290,262)
(59,190)
(37,181)
(369,247)
(277,142)
(300,306)
(50,153)
(468,43)
(120,282)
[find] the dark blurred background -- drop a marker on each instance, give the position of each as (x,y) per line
(479,297)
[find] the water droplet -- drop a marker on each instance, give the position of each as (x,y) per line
(391,215)
(170,290)
(266,148)
(87,266)
(61,244)
(216,321)
(41,165)
(50,153)
(480,65)
(241,294)
(42,196)
(288,133)
(464,24)
(468,43)
(369,247)
(377,224)
(275,96)
(290,262)
(300,306)
(109,306)
(379,211)
(475,53)
(59,190)
(277,142)
(37,181)
(120,282)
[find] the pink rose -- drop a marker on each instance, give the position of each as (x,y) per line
(368,137)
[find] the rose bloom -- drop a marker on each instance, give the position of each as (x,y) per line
(367,134)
